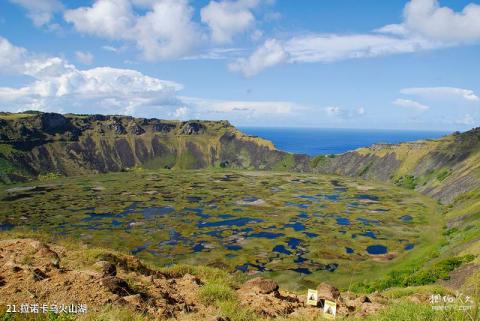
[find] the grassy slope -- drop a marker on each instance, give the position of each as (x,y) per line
(219,293)
(443,168)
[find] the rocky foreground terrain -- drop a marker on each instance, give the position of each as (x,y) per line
(32,271)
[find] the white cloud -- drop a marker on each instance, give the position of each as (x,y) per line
(466,120)
(164,31)
(407,103)
(40,11)
(218,54)
(180,113)
(329,48)
(11,57)
(105,18)
(228,18)
(257,108)
(110,48)
(342,113)
(429,19)
(271,53)
(426,26)
(84,57)
(62,87)
(57,85)
(442,93)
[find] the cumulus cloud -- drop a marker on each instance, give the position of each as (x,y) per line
(425,26)
(84,57)
(164,31)
(57,84)
(228,18)
(408,103)
(40,11)
(442,93)
(429,19)
(271,53)
(11,57)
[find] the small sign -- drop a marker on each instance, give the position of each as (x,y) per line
(330,309)
(312,297)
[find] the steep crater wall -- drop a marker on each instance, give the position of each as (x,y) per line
(41,143)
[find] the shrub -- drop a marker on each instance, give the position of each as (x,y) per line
(214,292)
(406,181)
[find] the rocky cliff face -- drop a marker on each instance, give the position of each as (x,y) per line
(43,143)
(443,168)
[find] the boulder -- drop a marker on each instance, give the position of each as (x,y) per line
(261,285)
(118,128)
(327,291)
(163,127)
(193,128)
(38,275)
(106,268)
(117,285)
(135,300)
(136,129)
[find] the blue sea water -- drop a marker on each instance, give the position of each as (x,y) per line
(317,141)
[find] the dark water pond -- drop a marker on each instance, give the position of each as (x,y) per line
(297,226)
(281,249)
(293,243)
(6,226)
(369,234)
(343,221)
(266,235)
(367,221)
(151,212)
(233,222)
(310,234)
(302,270)
(367,197)
(377,249)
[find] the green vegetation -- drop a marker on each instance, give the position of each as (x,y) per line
(415,276)
(406,181)
(216,292)
(234,220)
(408,311)
(49,176)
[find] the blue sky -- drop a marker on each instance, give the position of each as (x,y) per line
(329,63)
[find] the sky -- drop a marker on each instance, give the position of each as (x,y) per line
(305,63)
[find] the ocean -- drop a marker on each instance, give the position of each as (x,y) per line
(317,141)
